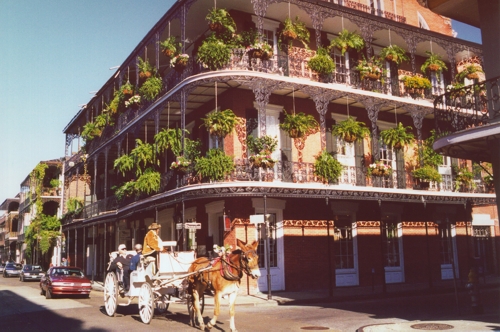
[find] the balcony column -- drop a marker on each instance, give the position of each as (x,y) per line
(450,51)
(373,108)
(367,34)
(260,8)
(411,43)
(93,194)
(106,154)
(317,17)
(183,117)
(417,114)
(262,90)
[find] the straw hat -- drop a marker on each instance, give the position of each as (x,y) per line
(154,226)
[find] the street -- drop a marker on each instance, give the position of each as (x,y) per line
(22,308)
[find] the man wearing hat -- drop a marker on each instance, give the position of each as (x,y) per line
(122,262)
(152,244)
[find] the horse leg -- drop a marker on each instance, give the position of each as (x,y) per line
(213,321)
(232,301)
(196,306)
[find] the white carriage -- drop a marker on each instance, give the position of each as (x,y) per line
(153,290)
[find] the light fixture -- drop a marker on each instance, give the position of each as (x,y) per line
(115,67)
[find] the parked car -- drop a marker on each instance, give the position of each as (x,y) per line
(12,270)
(31,272)
(65,280)
(2,266)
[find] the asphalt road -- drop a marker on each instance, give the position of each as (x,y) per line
(22,308)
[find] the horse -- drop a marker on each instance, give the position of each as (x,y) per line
(223,276)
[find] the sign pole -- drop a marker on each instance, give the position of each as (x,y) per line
(184,239)
(267,250)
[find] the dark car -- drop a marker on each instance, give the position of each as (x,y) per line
(12,269)
(2,266)
(65,280)
(31,272)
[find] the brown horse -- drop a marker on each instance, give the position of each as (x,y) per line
(222,275)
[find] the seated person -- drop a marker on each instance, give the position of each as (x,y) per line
(152,244)
(122,262)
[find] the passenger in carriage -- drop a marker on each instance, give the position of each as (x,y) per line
(137,258)
(122,262)
(152,244)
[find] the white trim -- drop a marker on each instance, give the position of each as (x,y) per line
(482,220)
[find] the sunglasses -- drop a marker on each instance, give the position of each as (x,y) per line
(123,249)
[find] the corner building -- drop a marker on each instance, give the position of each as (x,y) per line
(358,230)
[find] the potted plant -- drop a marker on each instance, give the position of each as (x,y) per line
(394,54)
(179,62)
(215,166)
(127,90)
(133,102)
(220,123)
(327,168)
(213,53)
(322,63)
(148,182)
(146,69)
(425,175)
(348,40)
(181,164)
(350,130)
(169,47)
(293,30)
(298,124)
(261,50)
(261,149)
(248,38)
(151,88)
(416,85)
(378,168)
(471,72)
(463,178)
(220,21)
(433,63)
(398,136)
(370,69)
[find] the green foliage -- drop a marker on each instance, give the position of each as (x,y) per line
(433,63)
(294,30)
(36,182)
(170,138)
(215,166)
(350,130)
(146,69)
(220,123)
(221,23)
(214,53)
(427,174)
(322,63)
(470,72)
(169,47)
(247,38)
(265,144)
(298,124)
(429,156)
(90,131)
(143,155)
(151,88)
(416,82)
(54,183)
(327,167)
(148,182)
(43,231)
(371,68)
(192,149)
(348,40)
(74,203)
(394,53)
(127,189)
(397,137)
(124,163)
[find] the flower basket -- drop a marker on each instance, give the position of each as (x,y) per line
(145,74)
(179,62)
(373,76)
(379,169)
(216,27)
(289,35)
(168,53)
(434,67)
(349,138)
(180,165)
(255,54)
(472,76)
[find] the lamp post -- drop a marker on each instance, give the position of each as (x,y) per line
(267,249)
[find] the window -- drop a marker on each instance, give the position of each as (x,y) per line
(446,248)
(273,250)
(343,244)
(437,83)
(376,7)
(391,254)
(270,28)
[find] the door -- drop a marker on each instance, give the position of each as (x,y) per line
(276,259)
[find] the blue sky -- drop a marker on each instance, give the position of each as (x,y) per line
(54,53)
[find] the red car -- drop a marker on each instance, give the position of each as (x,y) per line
(65,280)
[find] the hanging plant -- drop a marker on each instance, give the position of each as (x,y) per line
(416,85)
(151,88)
(260,50)
(220,123)
(378,168)
(124,163)
(433,63)
(348,40)
(293,30)
(322,63)
(146,70)
(427,174)
(327,167)
(148,182)
(370,69)
(350,130)
(220,22)
(215,166)
(169,47)
(394,54)
(471,72)
(170,138)
(261,149)
(397,137)
(179,62)
(299,124)
(213,53)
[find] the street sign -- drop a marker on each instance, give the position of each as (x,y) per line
(257,219)
(178,226)
(192,225)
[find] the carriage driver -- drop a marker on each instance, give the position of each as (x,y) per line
(152,244)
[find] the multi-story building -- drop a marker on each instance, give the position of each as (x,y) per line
(9,221)
(40,201)
(360,228)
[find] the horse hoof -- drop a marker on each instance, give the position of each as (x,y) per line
(202,327)
(209,326)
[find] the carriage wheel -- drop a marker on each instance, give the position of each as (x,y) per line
(190,307)
(146,303)
(162,303)
(111,294)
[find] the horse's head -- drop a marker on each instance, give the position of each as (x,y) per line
(249,258)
